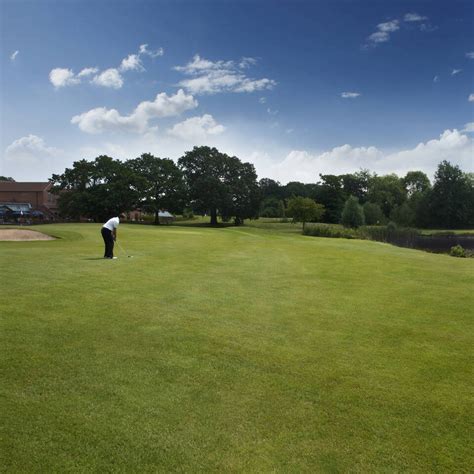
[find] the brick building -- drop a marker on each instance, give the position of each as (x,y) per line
(38,195)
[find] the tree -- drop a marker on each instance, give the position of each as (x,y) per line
(403,215)
(242,199)
(162,184)
(217,183)
(5,178)
(272,207)
(352,214)
(451,200)
(416,182)
(373,214)
(96,189)
(331,195)
(387,191)
(304,210)
(356,184)
(271,188)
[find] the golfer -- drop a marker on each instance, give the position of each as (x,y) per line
(109,234)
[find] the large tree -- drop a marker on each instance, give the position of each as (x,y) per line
(218,183)
(451,201)
(96,189)
(162,184)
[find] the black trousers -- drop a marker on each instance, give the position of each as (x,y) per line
(109,242)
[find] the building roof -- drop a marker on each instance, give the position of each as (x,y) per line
(17,206)
(165,214)
(24,186)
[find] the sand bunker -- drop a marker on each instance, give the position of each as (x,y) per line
(23,234)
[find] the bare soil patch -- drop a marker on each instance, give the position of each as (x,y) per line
(23,234)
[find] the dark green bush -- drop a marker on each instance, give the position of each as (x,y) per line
(321,230)
(457,251)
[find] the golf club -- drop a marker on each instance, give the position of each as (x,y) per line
(122,249)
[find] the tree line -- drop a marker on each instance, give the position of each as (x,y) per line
(210,182)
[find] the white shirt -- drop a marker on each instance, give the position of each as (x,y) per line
(112,224)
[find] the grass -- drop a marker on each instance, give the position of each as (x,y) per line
(233,349)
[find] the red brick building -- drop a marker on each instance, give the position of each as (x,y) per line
(38,195)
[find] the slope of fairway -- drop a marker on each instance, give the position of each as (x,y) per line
(233,349)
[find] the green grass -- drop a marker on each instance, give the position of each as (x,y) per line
(233,349)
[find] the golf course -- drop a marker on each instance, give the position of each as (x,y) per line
(233,349)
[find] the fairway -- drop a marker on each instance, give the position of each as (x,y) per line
(233,350)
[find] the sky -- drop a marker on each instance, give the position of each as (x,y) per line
(297,88)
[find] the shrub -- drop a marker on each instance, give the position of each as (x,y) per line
(352,214)
(321,230)
(457,251)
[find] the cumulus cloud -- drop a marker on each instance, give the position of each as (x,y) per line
(61,77)
(109,78)
(350,95)
(196,128)
(211,77)
(455,71)
(436,79)
(132,63)
(101,119)
(470,55)
(413,17)
(471,98)
(301,165)
(31,156)
(14,55)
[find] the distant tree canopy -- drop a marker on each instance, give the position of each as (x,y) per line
(207,181)
(5,178)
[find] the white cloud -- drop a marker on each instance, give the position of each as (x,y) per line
(436,79)
(152,53)
(262,100)
(304,166)
(471,98)
(271,111)
(411,17)
(382,34)
(14,55)
(470,55)
(88,71)
(210,77)
(196,128)
(101,119)
(350,95)
(468,127)
(61,77)
(30,156)
(455,71)
(132,63)
(109,78)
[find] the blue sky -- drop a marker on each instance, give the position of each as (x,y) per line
(296,87)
